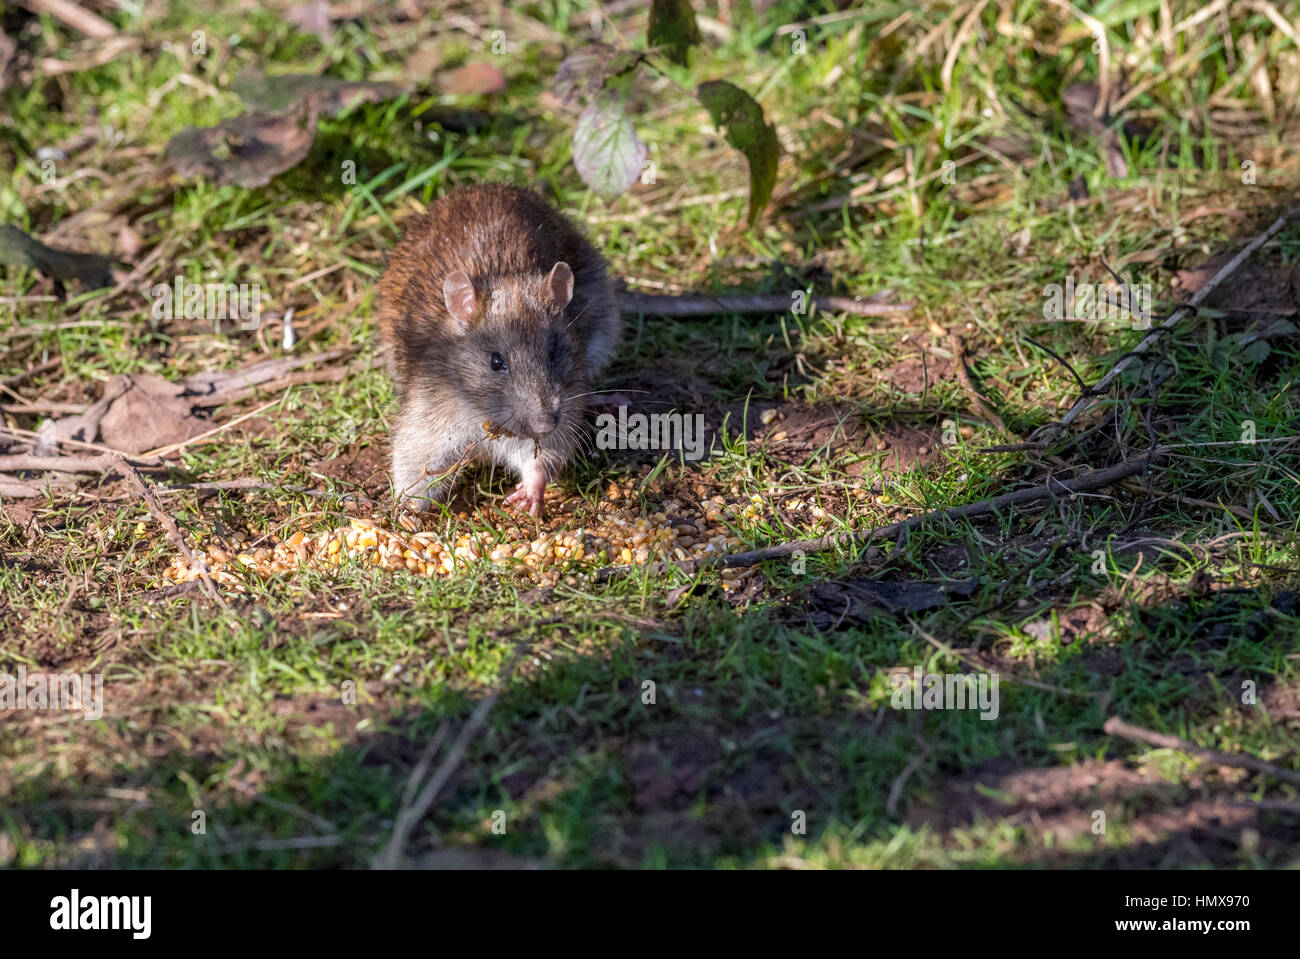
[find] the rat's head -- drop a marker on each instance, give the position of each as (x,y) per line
(516,362)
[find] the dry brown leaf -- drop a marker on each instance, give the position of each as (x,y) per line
(149,412)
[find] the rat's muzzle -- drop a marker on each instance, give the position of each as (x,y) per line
(544,418)
(541,423)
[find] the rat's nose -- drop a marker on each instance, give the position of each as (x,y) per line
(543,422)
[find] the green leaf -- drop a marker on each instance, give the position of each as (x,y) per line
(738,114)
(1256,353)
(673,27)
(606,149)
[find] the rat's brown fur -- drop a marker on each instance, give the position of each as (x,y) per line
(508,241)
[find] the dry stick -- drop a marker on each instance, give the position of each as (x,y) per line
(16,378)
(170,526)
(976,665)
(1117,727)
(330,374)
(407,818)
(16,488)
(25,407)
(1093,479)
(1092,396)
(422,768)
(696,305)
(81,444)
(66,12)
(215,387)
(896,790)
(60,464)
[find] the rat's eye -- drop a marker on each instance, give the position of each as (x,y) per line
(498,362)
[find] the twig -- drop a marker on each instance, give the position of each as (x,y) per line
(16,378)
(1093,479)
(391,857)
(896,790)
(1117,727)
(1091,396)
(698,305)
(11,486)
(1060,359)
(216,387)
(329,374)
(976,665)
(25,407)
(66,12)
(60,464)
(143,459)
(173,532)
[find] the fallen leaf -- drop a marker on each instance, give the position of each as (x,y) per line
(252,148)
(82,427)
(147,413)
(584,72)
(247,150)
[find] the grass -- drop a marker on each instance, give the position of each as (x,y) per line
(1153,603)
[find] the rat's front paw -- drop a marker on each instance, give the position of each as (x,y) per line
(528,495)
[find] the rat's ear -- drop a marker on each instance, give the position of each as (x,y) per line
(559,282)
(458,290)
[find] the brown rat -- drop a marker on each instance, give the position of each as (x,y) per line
(495,310)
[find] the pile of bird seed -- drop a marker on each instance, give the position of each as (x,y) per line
(541,553)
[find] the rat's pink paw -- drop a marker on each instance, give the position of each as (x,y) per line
(528,496)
